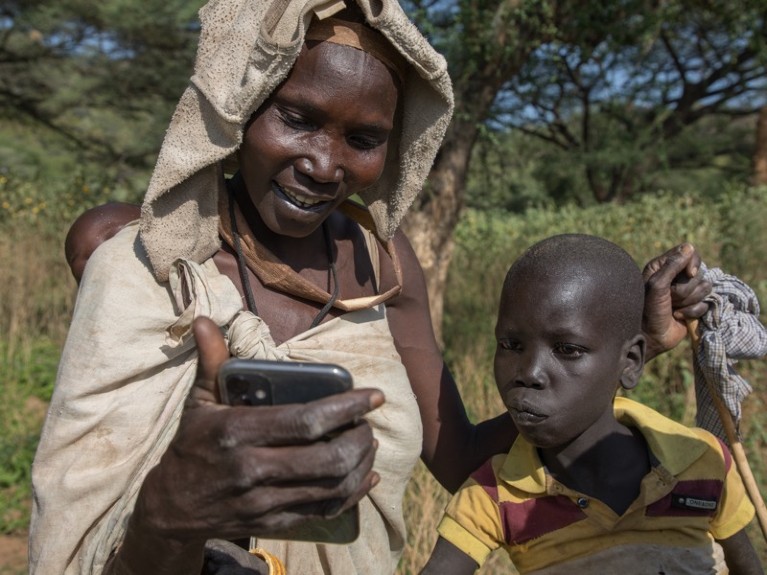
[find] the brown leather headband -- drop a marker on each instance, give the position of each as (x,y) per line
(358,36)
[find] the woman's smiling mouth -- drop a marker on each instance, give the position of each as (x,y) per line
(296,199)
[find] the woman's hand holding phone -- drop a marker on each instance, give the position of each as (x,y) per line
(235,472)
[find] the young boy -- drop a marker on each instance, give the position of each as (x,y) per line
(594,483)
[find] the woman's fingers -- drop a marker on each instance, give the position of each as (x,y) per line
(674,292)
(213,352)
(233,471)
(296,423)
(236,471)
(681,258)
(326,464)
(320,494)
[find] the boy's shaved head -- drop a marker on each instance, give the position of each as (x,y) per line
(578,257)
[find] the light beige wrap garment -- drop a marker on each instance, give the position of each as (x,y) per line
(105,432)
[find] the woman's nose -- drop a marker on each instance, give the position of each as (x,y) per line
(322,162)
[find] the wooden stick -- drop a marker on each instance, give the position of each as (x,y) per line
(738,453)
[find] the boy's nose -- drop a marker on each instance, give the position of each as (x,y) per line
(530,371)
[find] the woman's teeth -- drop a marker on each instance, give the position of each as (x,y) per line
(301,201)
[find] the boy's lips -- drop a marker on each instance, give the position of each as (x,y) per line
(526,413)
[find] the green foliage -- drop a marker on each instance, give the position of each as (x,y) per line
(743,246)
(728,231)
(513,171)
(52,204)
(27,384)
(101,77)
(621,93)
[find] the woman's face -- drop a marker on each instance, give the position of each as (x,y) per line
(320,137)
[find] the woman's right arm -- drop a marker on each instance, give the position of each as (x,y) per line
(234,472)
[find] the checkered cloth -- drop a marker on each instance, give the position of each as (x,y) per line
(729,330)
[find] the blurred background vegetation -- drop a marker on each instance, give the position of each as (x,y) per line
(635,120)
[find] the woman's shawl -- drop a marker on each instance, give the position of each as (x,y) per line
(127,366)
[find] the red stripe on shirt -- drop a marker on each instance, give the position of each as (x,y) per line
(536,517)
(485,478)
(726,454)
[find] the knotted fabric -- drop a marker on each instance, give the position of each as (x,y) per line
(730,330)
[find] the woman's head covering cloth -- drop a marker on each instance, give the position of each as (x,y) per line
(246,49)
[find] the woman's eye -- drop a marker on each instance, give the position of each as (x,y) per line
(365,142)
(296,121)
(569,350)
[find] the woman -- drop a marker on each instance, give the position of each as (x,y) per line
(318,108)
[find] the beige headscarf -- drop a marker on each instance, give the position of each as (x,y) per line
(246,49)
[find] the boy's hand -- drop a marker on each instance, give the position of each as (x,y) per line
(674,293)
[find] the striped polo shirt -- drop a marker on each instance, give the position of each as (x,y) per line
(692,495)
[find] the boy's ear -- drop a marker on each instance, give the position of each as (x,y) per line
(633,361)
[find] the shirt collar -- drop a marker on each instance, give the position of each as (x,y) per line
(674,445)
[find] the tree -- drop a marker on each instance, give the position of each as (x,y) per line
(102,76)
(615,84)
(621,104)
(760,154)
(612,82)
(486,43)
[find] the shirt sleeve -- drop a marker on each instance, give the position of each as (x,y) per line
(735,509)
(472,522)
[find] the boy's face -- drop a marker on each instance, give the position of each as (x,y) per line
(559,359)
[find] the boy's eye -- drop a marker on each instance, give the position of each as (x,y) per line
(569,350)
(509,344)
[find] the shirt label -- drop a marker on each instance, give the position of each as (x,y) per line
(687,502)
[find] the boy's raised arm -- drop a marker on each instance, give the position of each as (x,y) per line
(447,559)
(740,555)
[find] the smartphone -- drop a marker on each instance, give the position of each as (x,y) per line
(256,382)
(266,382)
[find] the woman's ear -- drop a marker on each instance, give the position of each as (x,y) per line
(633,361)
